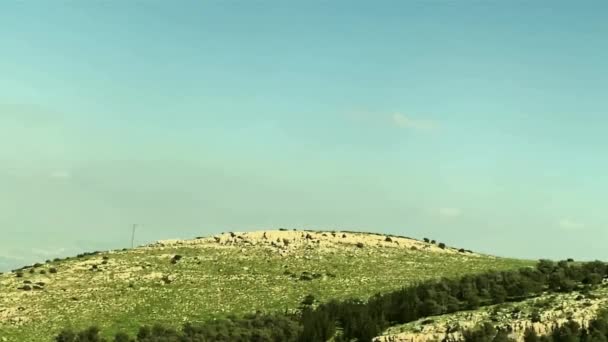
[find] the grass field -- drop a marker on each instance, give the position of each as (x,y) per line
(216,276)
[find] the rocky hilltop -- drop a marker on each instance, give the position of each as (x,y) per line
(285,242)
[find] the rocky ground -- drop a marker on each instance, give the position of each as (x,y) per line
(175,281)
(543,314)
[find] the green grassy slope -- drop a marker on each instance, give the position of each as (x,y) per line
(236,273)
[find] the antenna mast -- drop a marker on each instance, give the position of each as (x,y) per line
(133,235)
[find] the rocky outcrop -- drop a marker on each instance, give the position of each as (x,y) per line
(563,308)
(284,241)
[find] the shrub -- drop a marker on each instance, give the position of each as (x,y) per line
(176,258)
(441,245)
(42,272)
(433,242)
(305,277)
(66,336)
(105,257)
(122,337)
(426,240)
(360,244)
(52,270)
(19,274)
(308,300)
(530,335)
(32,271)
(388,239)
(461,250)
(26,288)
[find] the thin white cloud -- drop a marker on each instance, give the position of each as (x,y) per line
(403,121)
(568,224)
(61,174)
(450,212)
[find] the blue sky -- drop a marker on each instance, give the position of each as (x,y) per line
(477,123)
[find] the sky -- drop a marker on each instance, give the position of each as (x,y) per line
(481,124)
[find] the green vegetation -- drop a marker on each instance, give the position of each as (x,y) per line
(569,331)
(232,274)
(355,320)
(543,311)
(364,320)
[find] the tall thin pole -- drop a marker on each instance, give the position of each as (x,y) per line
(133,235)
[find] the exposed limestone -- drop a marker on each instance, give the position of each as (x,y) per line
(562,308)
(284,241)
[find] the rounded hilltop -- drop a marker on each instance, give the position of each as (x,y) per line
(284,241)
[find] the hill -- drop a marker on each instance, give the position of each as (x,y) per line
(175,281)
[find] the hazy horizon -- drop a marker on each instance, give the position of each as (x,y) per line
(478,124)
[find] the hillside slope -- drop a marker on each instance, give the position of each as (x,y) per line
(176,281)
(542,314)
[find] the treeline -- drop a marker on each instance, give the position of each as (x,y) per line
(571,331)
(256,327)
(363,320)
